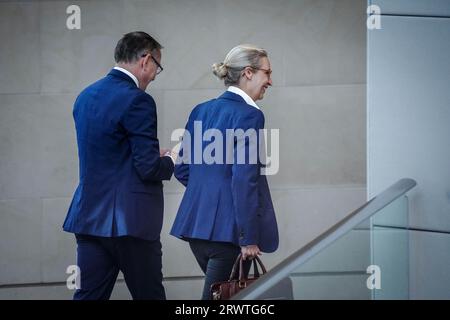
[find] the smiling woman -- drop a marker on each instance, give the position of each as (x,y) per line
(241,65)
(227,207)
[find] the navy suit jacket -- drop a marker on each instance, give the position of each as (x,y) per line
(120,190)
(224,202)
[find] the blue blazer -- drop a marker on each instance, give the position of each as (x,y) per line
(224,202)
(120,190)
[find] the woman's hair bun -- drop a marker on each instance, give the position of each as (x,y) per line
(220,70)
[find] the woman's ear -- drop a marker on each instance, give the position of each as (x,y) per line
(248,73)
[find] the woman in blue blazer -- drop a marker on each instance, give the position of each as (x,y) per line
(227,208)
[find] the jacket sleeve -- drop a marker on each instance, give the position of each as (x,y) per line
(140,123)
(184,156)
(245,176)
(182,164)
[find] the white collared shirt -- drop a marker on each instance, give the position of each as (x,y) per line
(128,73)
(244,96)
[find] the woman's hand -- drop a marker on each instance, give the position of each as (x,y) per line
(250,251)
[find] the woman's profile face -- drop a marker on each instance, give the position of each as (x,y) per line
(261,79)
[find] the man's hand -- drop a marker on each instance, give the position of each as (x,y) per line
(250,251)
(164,152)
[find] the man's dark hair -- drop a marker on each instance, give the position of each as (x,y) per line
(133,45)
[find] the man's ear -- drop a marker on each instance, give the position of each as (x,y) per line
(144,62)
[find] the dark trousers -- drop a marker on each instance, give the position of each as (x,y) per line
(216,260)
(100,260)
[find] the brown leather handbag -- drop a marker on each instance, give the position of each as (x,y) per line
(224,290)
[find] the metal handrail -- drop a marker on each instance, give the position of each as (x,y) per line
(315,246)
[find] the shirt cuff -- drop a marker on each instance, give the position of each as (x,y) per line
(167,154)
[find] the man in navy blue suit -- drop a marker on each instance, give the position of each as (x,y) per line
(117,210)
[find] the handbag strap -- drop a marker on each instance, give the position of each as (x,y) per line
(239,261)
(261,265)
(256,261)
(255,270)
(235,266)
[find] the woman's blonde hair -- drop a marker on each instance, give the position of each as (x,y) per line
(244,55)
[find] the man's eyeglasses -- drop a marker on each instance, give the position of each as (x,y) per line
(160,68)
